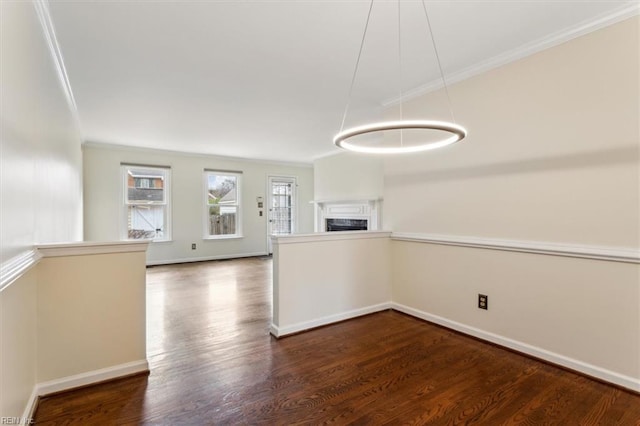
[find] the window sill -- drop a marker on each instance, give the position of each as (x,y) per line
(223,237)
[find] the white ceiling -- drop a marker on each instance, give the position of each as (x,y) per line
(270,79)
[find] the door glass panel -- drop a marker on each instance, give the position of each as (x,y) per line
(281,214)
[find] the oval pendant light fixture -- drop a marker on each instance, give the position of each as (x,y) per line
(346,138)
(457,133)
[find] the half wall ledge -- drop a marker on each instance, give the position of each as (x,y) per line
(328,236)
(91,247)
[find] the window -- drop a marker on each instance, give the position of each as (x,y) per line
(144,183)
(146,202)
(222,204)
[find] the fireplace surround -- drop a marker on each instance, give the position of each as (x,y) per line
(347,215)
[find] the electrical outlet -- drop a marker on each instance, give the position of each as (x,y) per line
(193,246)
(483,301)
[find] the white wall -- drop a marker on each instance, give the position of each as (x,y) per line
(40,151)
(348,176)
(40,185)
(552,156)
(103,200)
(552,152)
(327,277)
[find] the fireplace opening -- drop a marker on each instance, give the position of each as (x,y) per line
(347,225)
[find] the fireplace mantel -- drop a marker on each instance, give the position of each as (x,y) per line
(365,208)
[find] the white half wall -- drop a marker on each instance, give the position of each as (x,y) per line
(74,315)
(103,201)
(18,328)
(580,313)
(322,278)
(567,306)
(91,308)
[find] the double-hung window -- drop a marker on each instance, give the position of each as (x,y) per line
(146,202)
(222,195)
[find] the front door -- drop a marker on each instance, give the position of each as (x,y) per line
(282,207)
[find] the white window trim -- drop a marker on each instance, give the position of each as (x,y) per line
(124,232)
(205,205)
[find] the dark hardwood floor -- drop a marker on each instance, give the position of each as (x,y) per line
(213,362)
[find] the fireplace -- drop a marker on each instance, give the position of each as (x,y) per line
(347,215)
(336,224)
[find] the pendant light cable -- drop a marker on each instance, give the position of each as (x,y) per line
(435,49)
(355,71)
(455,131)
(400,72)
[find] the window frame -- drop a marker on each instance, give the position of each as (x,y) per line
(165,203)
(206,205)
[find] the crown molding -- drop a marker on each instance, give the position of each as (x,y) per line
(44,16)
(113,146)
(332,153)
(624,12)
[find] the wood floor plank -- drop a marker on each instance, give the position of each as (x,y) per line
(213,362)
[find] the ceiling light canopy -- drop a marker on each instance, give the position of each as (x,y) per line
(346,138)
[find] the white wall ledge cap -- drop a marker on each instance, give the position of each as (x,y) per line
(346,200)
(17,266)
(614,254)
(82,248)
(328,236)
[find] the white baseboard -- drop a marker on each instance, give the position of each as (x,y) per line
(32,404)
(552,357)
(91,377)
(274,330)
(205,258)
(329,319)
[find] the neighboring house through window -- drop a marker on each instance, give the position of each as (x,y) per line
(222,204)
(146,202)
(147,182)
